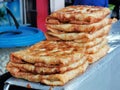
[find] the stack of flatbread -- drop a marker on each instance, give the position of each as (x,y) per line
(48,62)
(76,37)
(86,25)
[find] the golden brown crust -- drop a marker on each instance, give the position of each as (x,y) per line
(36,69)
(89,14)
(82,35)
(51,38)
(96,48)
(50,53)
(86,23)
(92,43)
(53,79)
(96,56)
(79,28)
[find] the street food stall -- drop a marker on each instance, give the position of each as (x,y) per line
(79,50)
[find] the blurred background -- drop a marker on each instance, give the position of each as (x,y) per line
(26,11)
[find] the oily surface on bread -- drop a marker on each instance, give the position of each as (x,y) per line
(44,70)
(77,36)
(79,27)
(87,14)
(53,79)
(50,53)
(92,43)
(99,54)
(97,47)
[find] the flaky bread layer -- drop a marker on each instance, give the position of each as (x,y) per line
(54,79)
(88,14)
(78,27)
(49,53)
(38,69)
(78,36)
(96,48)
(96,56)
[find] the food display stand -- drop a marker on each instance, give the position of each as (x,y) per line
(102,75)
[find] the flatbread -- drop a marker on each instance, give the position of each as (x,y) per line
(96,56)
(80,28)
(51,38)
(83,42)
(92,43)
(96,48)
(38,69)
(85,23)
(53,79)
(49,53)
(87,14)
(78,36)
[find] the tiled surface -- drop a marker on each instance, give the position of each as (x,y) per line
(4,58)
